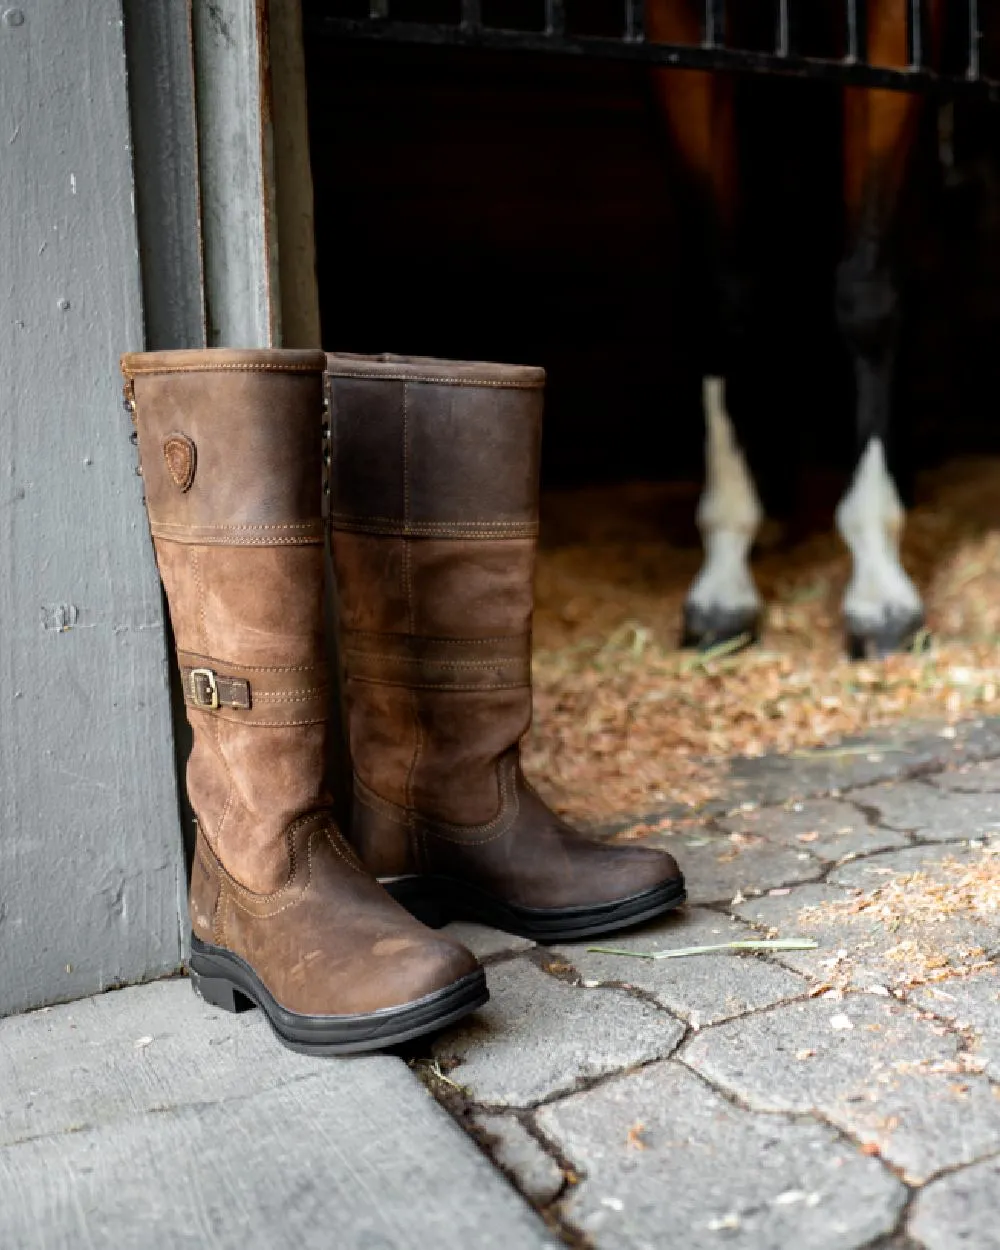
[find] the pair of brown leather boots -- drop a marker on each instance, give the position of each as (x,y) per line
(424,475)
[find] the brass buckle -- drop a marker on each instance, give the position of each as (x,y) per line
(208,696)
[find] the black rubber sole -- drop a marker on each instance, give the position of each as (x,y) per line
(224,980)
(437,900)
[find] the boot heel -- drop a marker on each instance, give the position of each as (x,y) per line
(219,993)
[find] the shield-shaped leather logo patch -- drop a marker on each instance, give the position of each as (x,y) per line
(181,457)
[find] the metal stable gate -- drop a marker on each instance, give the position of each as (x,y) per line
(480,24)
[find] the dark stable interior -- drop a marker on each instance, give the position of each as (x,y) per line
(526,208)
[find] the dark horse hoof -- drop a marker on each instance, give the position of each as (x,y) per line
(901,631)
(705,628)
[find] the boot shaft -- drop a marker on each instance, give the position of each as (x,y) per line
(231,448)
(434,521)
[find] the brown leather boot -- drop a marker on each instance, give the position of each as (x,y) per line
(282,912)
(434,518)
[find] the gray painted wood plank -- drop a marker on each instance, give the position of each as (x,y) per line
(145,1118)
(296,227)
(235,163)
(158,40)
(91,871)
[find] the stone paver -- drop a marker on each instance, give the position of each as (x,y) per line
(983,778)
(484,942)
(513,1148)
(970,1003)
(868,873)
(959,1212)
(852,954)
(774,1117)
(702,989)
(922,809)
(144,1118)
(667,1162)
(858,950)
(830,829)
(956,929)
(886,755)
(538,1037)
(717,867)
(890,1077)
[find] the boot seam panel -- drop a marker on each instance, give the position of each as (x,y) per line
(444,529)
(248,910)
(140,371)
(492,383)
(495,829)
(410,685)
(248,540)
(451,642)
(233,888)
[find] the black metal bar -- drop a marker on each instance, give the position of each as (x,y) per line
(679,56)
(915,34)
(857,32)
(714,23)
(555,18)
(635,20)
(975,34)
(472,15)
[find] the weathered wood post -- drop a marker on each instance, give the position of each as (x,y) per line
(209,243)
(91,870)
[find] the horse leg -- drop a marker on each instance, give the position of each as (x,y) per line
(723,602)
(881,607)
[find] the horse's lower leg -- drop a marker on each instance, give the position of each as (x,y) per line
(881,606)
(697,108)
(723,603)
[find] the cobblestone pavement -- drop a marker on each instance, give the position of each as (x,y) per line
(823,1099)
(815,1098)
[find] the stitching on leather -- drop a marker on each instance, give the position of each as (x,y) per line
(452,642)
(140,371)
(509,809)
(232,789)
(201,540)
(217,926)
(289,696)
(261,724)
(195,566)
(416,659)
(212,661)
(446,531)
(337,844)
(289,525)
(476,525)
(414,377)
(293,862)
(409,685)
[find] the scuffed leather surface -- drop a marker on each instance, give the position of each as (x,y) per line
(524,855)
(439,787)
(273,881)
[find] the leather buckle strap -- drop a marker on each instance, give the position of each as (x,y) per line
(249,694)
(207,689)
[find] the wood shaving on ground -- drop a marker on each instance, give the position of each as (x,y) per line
(913,907)
(625,723)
